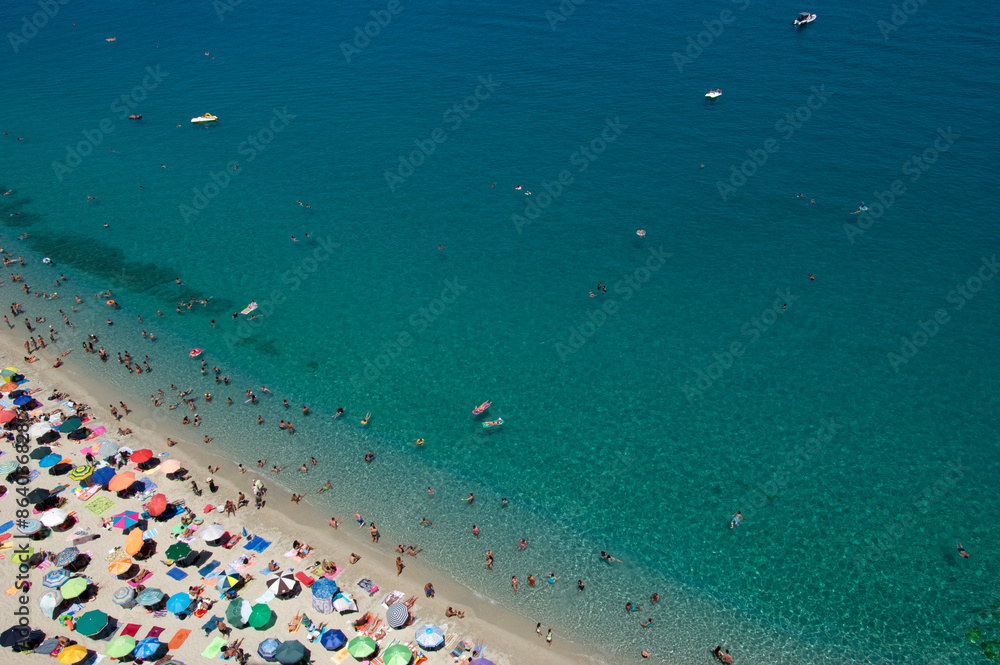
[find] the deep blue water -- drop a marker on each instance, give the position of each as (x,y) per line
(637,421)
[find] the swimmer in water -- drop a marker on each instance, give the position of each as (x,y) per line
(961,551)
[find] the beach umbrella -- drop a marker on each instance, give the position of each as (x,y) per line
(91,623)
(267,648)
(37,495)
(13,635)
(123,595)
(125,520)
(281,584)
(49,601)
(149,597)
(430,636)
(134,542)
(157,505)
(260,616)
(106,449)
(141,455)
(67,556)
(54,517)
(226,582)
(170,466)
(345,603)
(177,551)
(333,639)
(8,372)
(40,452)
(50,460)
(74,587)
(324,588)
(103,475)
(178,603)
(290,652)
(397,654)
(122,645)
(70,425)
(82,472)
(29,527)
(238,612)
(361,646)
(8,466)
(7,387)
(481,661)
(120,567)
(212,532)
(49,437)
(147,648)
(55,578)
(72,654)
(7,416)
(397,615)
(172,662)
(21,400)
(64,466)
(38,429)
(121,481)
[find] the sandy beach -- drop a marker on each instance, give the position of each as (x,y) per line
(506,637)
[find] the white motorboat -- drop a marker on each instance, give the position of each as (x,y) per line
(804,17)
(208,117)
(712,94)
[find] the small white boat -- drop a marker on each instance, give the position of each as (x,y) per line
(208,117)
(804,18)
(712,94)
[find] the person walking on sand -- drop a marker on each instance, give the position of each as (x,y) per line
(538,628)
(399,566)
(374,532)
(548,638)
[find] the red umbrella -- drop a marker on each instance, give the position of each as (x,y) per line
(141,456)
(7,416)
(157,505)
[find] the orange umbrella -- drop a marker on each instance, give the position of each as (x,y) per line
(120,566)
(157,505)
(121,481)
(134,542)
(7,387)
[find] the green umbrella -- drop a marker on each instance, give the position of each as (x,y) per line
(397,654)
(361,646)
(236,614)
(91,623)
(260,615)
(121,646)
(178,551)
(74,587)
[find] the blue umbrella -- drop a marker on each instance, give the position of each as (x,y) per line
(22,400)
(333,639)
(324,588)
(146,648)
(103,475)
(430,636)
(267,648)
(179,602)
(49,460)
(55,578)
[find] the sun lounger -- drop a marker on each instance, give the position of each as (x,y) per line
(178,639)
(131,629)
(213,650)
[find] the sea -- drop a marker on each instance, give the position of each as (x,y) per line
(781,302)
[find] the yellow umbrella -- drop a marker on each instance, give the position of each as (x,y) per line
(134,542)
(120,566)
(72,654)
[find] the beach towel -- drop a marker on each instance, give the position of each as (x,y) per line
(131,630)
(392,598)
(96,433)
(232,542)
(369,586)
(100,505)
(215,648)
(155,631)
(178,639)
(261,545)
(265,598)
(307,580)
(212,565)
(176,574)
(339,657)
(35,473)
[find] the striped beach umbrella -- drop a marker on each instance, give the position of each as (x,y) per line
(123,595)
(430,636)
(54,517)
(397,654)
(149,597)
(55,578)
(72,654)
(8,466)
(226,582)
(50,460)
(120,567)
(147,648)
(92,623)
(29,527)
(122,645)
(361,646)
(67,556)
(7,372)
(49,601)
(74,587)
(281,584)
(125,520)
(82,472)
(397,615)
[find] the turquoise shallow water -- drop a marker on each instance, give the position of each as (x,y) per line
(646,438)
